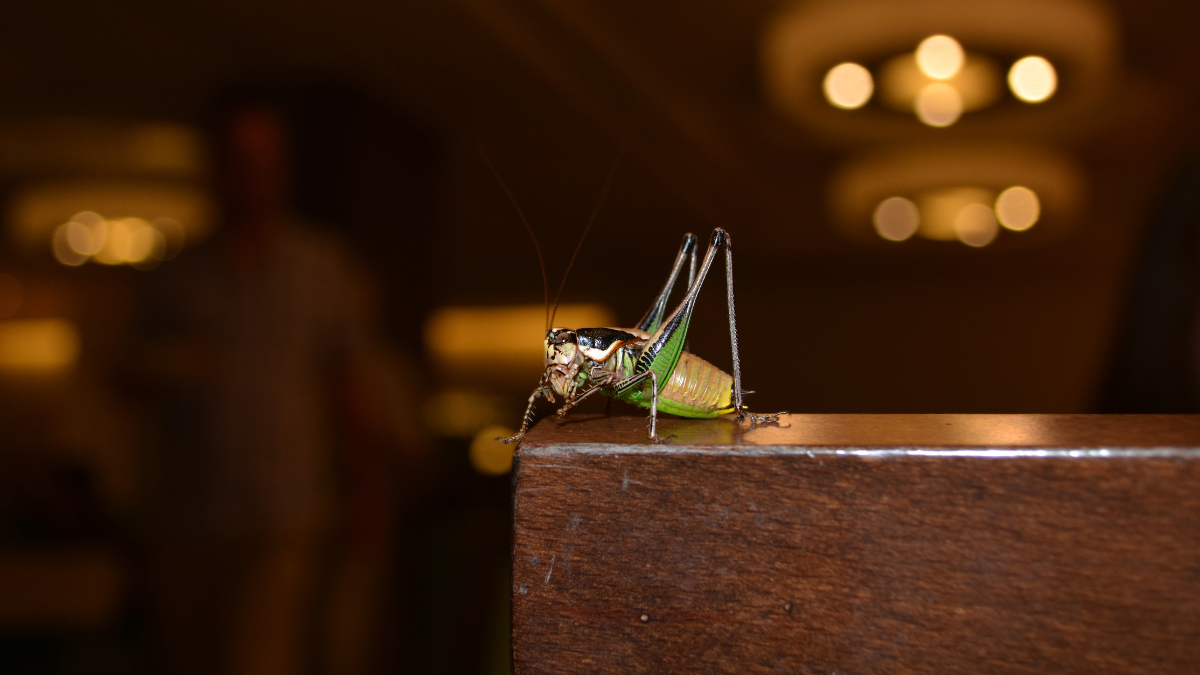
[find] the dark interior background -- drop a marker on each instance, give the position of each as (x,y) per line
(828,325)
(389,104)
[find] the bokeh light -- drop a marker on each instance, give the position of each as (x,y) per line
(938,105)
(941,207)
(120,245)
(976,225)
(86,233)
(79,238)
(848,86)
(488,455)
(979,82)
(1032,79)
(513,348)
(133,241)
(1018,208)
(61,247)
(939,56)
(145,248)
(896,219)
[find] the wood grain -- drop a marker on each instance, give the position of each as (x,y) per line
(860,544)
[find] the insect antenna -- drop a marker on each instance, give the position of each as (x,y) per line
(537,246)
(612,173)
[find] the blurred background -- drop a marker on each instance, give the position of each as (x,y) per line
(263,306)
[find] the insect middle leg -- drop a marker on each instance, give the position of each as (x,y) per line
(576,400)
(619,385)
(633,380)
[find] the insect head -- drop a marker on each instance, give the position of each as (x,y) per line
(562,367)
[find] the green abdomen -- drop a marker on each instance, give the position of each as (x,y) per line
(696,388)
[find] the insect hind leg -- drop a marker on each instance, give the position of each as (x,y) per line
(662,351)
(687,253)
(721,238)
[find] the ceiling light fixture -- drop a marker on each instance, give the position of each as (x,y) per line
(938,41)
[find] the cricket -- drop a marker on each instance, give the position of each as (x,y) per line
(647,366)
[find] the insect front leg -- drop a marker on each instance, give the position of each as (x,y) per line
(601,379)
(527,420)
(576,400)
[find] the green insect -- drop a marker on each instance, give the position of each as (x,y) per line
(647,366)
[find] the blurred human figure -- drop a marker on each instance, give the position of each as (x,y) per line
(259,344)
(381,435)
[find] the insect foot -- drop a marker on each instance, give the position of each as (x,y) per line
(511,439)
(756,420)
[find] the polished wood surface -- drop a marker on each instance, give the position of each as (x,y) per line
(859,544)
(887,431)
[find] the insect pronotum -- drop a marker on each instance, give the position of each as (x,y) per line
(647,366)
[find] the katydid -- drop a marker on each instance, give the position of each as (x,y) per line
(647,366)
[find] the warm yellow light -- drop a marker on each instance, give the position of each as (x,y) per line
(938,105)
(503,333)
(126,243)
(79,238)
(975,225)
(940,209)
(11,295)
(940,56)
(461,413)
(86,233)
(38,345)
(848,86)
(896,219)
(146,248)
(60,245)
(113,242)
(34,211)
(488,455)
(979,82)
(1018,208)
(1032,79)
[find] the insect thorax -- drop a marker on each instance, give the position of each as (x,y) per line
(573,358)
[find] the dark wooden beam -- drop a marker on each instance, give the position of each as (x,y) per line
(860,544)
